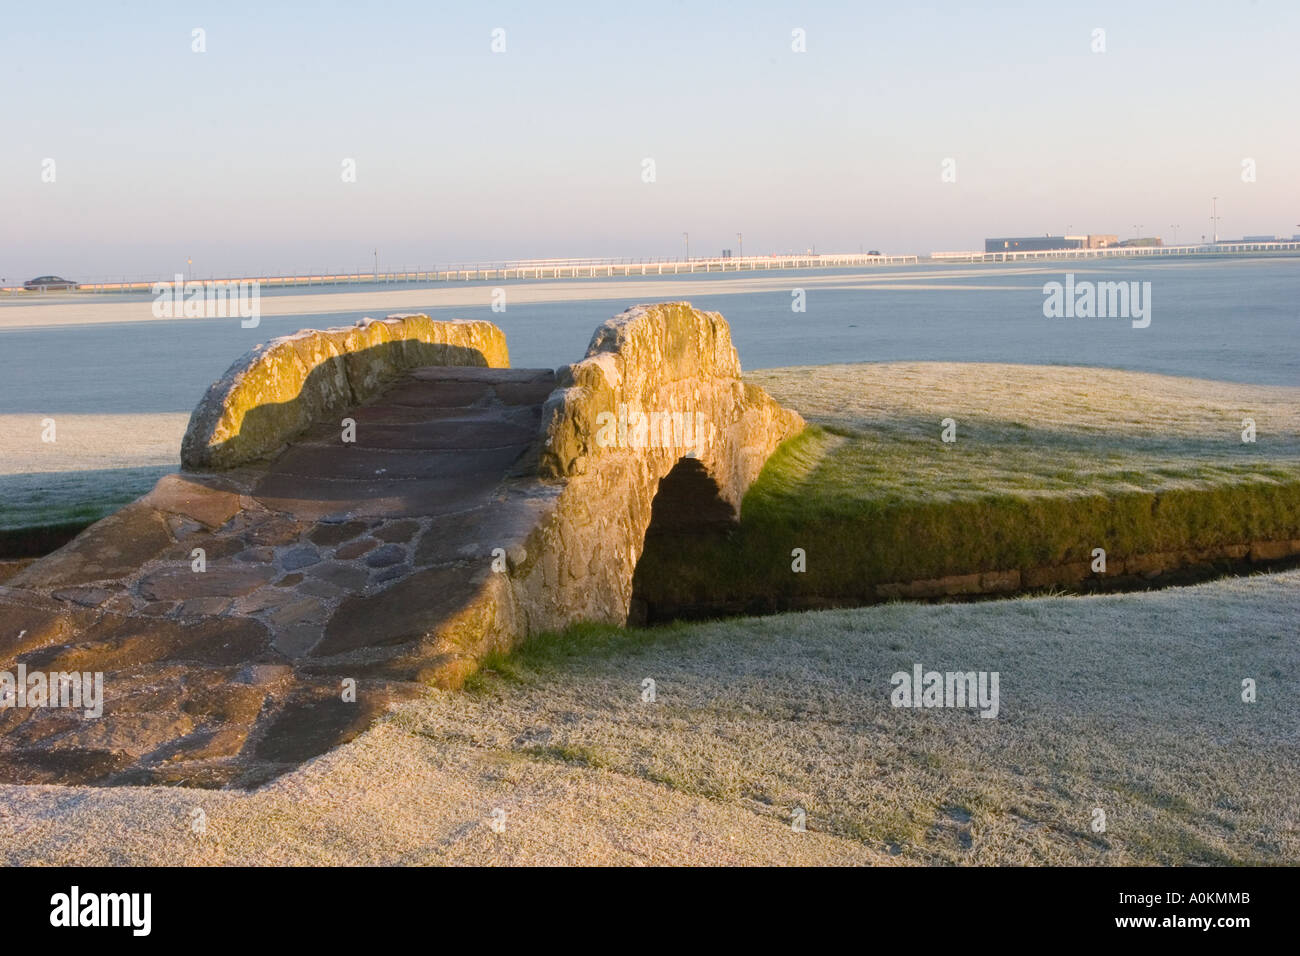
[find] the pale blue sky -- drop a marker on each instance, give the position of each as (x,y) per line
(234,155)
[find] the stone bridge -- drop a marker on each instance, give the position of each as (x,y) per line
(362,512)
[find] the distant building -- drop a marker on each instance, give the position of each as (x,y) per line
(1263,239)
(1034,243)
(1040,243)
(1144,241)
(1091,242)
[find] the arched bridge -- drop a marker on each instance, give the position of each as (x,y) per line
(362,512)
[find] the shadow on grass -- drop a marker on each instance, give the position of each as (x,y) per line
(554,650)
(42,511)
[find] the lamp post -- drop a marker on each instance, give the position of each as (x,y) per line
(740,244)
(686,238)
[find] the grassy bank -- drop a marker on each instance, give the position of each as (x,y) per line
(1047,464)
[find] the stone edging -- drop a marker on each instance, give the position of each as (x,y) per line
(1133,573)
(1121,573)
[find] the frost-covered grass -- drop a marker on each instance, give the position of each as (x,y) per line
(1036,430)
(96,464)
(1130,704)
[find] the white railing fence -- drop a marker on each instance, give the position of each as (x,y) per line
(521,269)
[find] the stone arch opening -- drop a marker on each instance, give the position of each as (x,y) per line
(687,511)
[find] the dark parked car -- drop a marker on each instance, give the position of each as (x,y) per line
(874,252)
(49,284)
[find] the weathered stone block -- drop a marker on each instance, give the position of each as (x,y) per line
(274,392)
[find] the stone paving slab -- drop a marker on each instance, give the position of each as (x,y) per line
(434,394)
(463,433)
(322,498)
(370,465)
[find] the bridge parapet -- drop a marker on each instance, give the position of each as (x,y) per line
(275,391)
(663,382)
